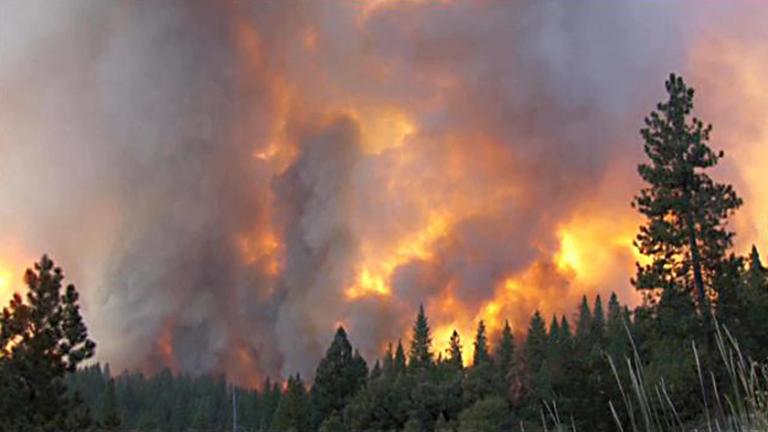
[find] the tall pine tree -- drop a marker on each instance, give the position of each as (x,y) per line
(685,237)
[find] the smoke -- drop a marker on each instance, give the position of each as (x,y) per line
(228,181)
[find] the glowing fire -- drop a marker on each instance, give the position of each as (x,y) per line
(261,248)
(737,93)
(12,268)
(376,270)
(369,7)
(6,290)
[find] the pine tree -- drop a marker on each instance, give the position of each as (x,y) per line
(597,330)
(388,364)
(754,306)
(292,412)
(615,333)
(399,363)
(42,340)
(420,354)
(685,238)
(375,371)
(110,416)
(339,375)
(555,356)
(505,356)
(554,331)
(482,376)
(455,359)
(536,343)
(584,324)
(565,330)
(481,354)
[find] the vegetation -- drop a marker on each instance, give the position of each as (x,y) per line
(42,338)
(692,356)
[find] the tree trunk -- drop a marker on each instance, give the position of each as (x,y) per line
(698,279)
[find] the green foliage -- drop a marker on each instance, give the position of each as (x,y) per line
(487,415)
(110,419)
(505,356)
(420,355)
(454,358)
(481,378)
(481,354)
(333,423)
(399,362)
(685,236)
(292,413)
(42,339)
(536,343)
(643,360)
(584,323)
(340,374)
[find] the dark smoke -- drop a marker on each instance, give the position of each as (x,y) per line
(131,135)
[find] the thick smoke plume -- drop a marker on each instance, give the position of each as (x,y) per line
(227,181)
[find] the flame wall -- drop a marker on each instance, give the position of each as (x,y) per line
(226,181)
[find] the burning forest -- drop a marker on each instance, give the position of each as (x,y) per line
(228,182)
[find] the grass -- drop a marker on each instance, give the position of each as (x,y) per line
(739,402)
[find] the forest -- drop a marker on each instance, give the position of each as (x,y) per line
(691,356)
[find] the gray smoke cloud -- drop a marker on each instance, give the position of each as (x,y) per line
(140,144)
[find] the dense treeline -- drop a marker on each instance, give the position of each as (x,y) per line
(506,382)
(662,365)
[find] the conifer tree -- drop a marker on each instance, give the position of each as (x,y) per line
(388,364)
(554,330)
(685,237)
(399,363)
(292,412)
(42,339)
(615,334)
(754,306)
(597,330)
(420,354)
(482,376)
(340,374)
(375,370)
(455,359)
(505,355)
(110,417)
(481,354)
(565,330)
(584,324)
(536,343)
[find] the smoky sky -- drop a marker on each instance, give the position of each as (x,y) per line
(214,175)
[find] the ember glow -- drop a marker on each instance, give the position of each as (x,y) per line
(226,182)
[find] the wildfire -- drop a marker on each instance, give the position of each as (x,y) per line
(593,247)
(370,7)
(741,101)
(11,270)
(382,128)
(375,272)
(260,248)
(5,282)
(165,349)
